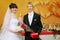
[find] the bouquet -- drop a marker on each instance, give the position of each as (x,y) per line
(27,28)
(19,29)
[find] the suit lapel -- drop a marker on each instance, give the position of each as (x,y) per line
(32,20)
(27,20)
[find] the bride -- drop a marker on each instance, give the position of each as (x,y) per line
(8,31)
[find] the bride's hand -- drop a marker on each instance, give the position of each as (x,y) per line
(17,32)
(13,31)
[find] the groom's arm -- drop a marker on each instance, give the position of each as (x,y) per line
(39,24)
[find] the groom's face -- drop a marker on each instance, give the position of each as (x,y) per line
(30,7)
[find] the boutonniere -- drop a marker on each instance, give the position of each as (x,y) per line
(35,19)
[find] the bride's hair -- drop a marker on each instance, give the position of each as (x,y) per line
(13,5)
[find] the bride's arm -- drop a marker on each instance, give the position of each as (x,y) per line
(8,24)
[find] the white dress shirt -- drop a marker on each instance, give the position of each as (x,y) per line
(30,17)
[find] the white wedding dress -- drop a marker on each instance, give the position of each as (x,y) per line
(9,24)
(8,35)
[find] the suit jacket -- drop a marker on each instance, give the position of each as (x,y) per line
(36,25)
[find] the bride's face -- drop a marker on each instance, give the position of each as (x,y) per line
(13,10)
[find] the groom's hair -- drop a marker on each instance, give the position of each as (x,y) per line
(30,3)
(13,5)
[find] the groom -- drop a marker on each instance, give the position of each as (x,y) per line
(33,20)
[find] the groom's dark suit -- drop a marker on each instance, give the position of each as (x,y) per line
(36,25)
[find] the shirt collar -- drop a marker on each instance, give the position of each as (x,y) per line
(31,13)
